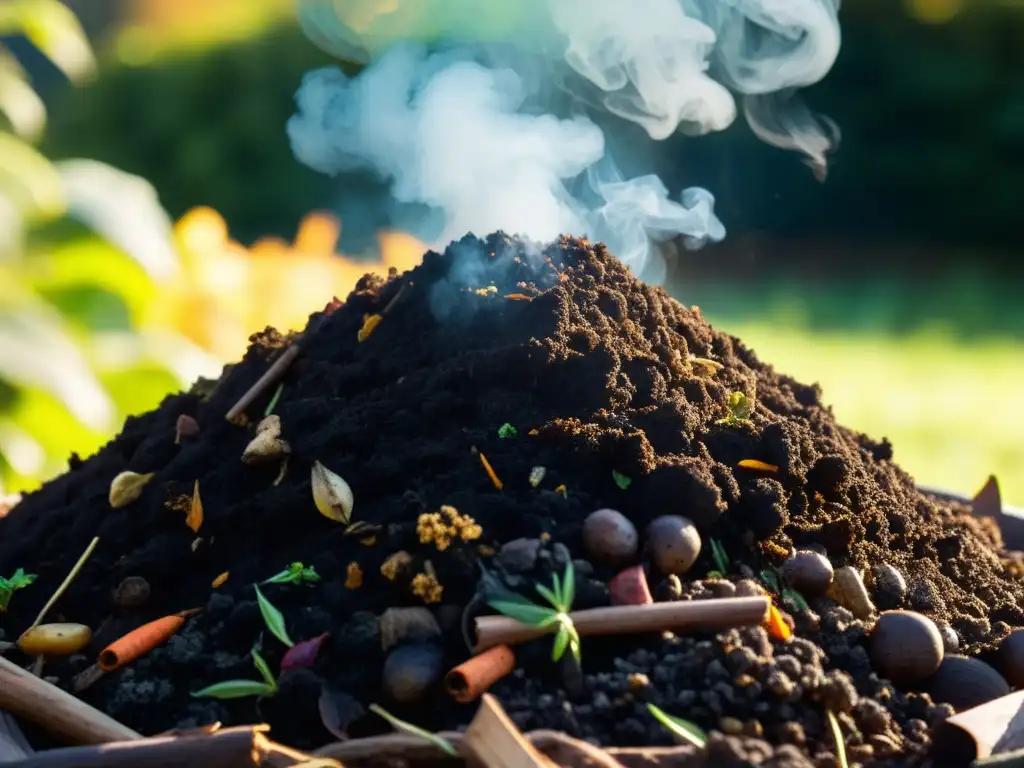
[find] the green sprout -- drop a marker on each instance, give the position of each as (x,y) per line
(710,367)
(560,597)
(837,734)
(296,573)
(239,689)
(681,729)
(273,618)
(771,578)
(740,407)
(8,587)
(273,400)
(621,480)
(720,557)
(795,599)
(506,430)
(414,730)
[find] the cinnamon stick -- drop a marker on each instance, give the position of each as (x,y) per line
(226,748)
(496,743)
(66,717)
(273,373)
(631,619)
(471,678)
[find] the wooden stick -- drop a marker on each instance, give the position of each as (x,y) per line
(273,373)
(997,726)
(66,583)
(631,619)
(497,743)
(226,748)
(60,713)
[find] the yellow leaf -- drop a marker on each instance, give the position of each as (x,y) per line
(220,579)
(194,519)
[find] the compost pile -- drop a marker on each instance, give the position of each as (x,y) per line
(502,353)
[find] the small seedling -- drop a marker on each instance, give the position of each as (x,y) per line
(506,430)
(273,618)
(239,689)
(621,480)
(740,407)
(771,578)
(296,573)
(560,597)
(8,587)
(720,557)
(795,599)
(682,729)
(414,730)
(273,400)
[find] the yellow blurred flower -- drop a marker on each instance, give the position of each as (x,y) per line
(226,292)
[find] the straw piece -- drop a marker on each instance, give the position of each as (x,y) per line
(497,743)
(632,619)
(139,642)
(66,583)
(470,679)
(60,713)
(273,373)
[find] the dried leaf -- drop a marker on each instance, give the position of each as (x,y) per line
(127,487)
(338,710)
(267,445)
(219,581)
(331,494)
(194,518)
(186,427)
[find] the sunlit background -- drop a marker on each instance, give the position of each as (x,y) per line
(896,284)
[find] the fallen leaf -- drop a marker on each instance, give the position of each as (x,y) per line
(303,655)
(194,519)
(220,579)
(338,710)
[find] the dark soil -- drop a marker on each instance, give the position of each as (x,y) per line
(597,363)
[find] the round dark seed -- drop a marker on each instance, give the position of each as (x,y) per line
(905,647)
(964,683)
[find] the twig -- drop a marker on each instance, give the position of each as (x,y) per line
(631,619)
(67,582)
(58,712)
(273,373)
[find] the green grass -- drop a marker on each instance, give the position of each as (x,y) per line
(947,404)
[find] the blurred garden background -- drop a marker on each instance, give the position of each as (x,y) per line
(895,284)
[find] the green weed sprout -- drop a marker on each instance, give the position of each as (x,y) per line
(681,729)
(296,573)
(273,618)
(740,407)
(560,597)
(239,689)
(506,430)
(720,557)
(414,730)
(621,480)
(8,587)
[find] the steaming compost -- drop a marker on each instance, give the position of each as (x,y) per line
(507,393)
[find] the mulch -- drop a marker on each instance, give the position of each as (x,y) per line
(594,372)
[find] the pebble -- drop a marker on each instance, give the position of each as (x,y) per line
(132,592)
(519,555)
(964,683)
(950,639)
(411,670)
(905,647)
(609,538)
(674,543)
(669,589)
(888,587)
(808,572)
(1011,658)
(721,587)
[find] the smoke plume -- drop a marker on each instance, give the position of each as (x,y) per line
(436,117)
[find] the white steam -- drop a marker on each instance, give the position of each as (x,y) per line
(449,132)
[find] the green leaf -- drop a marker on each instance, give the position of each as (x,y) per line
(771,579)
(837,734)
(24,109)
(506,430)
(29,178)
(568,587)
(273,401)
(621,480)
(549,595)
(235,689)
(54,29)
(740,407)
(20,579)
(526,612)
(720,557)
(682,729)
(273,619)
(574,644)
(560,644)
(264,668)
(401,725)
(796,599)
